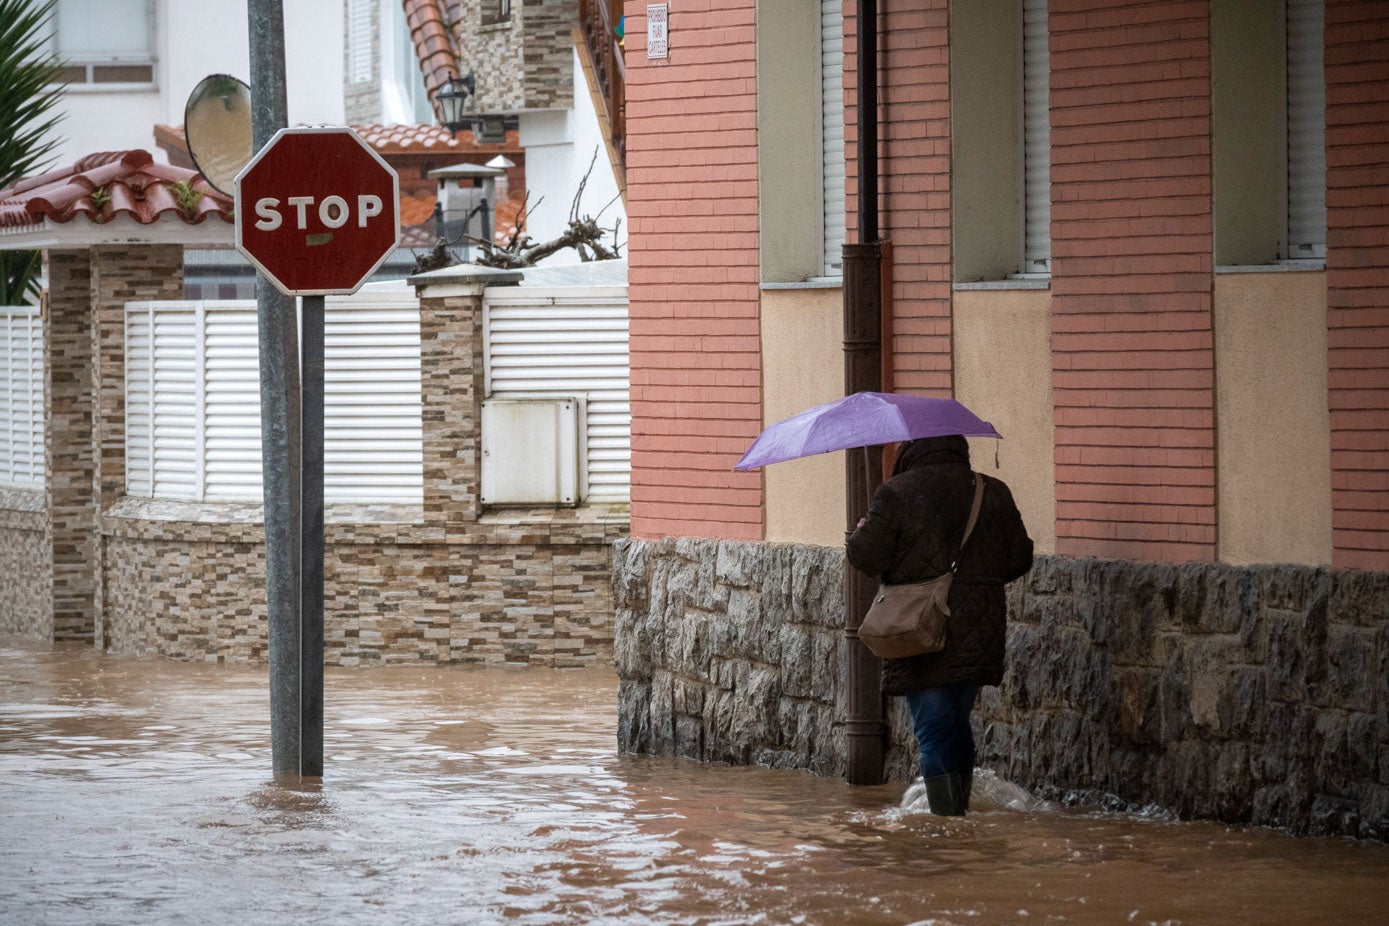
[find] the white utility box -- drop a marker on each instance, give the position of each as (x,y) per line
(530,451)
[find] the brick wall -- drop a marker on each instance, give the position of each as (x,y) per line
(69,461)
(914,184)
(548,53)
(693,272)
(1357,279)
(120,275)
(494,53)
(1132,279)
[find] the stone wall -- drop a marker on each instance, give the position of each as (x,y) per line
(1251,695)
(26,583)
(527,587)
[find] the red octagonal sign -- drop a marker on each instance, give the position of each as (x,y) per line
(317,211)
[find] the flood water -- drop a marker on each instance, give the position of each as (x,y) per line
(137,791)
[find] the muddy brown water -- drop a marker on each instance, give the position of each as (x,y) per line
(137,791)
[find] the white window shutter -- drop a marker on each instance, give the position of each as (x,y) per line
(1036,138)
(1306,130)
(373,419)
(361,26)
(139,399)
(832,130)
(175,383)
(21,407)
(231,373)
(542,341)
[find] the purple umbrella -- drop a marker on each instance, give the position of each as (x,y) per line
(862,420)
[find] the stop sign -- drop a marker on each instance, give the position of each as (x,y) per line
(317,211)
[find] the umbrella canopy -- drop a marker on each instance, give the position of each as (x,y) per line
(862,420)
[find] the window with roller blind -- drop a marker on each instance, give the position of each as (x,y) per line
(1269,132)
(1306,136)
(105,43)
(1000,77)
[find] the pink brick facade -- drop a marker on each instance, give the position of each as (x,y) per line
(1132,353)
(693,259)
(1133,315)
(914,197)
(1357,278)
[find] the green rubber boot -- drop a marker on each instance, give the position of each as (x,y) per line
(966,785)
(943,794)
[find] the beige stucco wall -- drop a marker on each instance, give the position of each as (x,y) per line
(1273,427)
(1003,374)
(803,366)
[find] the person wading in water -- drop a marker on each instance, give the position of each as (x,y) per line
(911,534)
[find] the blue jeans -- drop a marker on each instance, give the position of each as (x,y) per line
(940,718)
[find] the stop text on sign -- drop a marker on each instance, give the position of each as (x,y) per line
(333,211)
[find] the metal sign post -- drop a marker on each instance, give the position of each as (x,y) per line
(317,211)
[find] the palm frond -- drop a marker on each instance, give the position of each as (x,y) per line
(29,88)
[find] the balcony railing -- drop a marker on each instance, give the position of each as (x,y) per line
(598,20)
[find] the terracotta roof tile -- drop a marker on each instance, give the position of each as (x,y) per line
(124,183)
(433,45)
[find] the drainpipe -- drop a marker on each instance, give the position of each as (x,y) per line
(863,299)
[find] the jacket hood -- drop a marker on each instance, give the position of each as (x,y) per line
(929,451)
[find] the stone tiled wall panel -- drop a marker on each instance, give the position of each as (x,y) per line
(518,589)
(26,589)
(201,600)
(1251,695)
(549,53)
(494,53)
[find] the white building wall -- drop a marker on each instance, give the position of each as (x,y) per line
(195,38)
(559,145)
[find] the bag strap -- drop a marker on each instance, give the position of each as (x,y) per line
(973,518)
(969,527)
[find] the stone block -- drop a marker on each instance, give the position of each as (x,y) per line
(661,712)
(631,585)
(1140,719)
(1373,803)
(1234,783)
(1351,668)
(795,656)
(689,737)
(1381,704)
(1284,665)
(1232,596)
(634,717)
(687,697)
(738,563)
(1290,588)
(1361,747)
(1359,598)
(825,665)
(1331,758)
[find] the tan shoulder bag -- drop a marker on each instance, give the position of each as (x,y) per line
(910,619)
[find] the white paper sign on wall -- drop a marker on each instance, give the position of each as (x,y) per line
(657,30)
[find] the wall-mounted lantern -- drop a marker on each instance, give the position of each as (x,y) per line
(458,110)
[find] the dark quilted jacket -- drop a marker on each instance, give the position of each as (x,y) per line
(911,533)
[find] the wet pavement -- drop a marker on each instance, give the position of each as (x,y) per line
(137,791)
